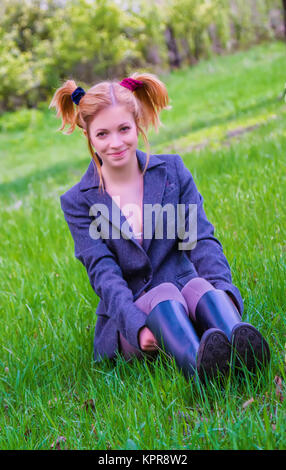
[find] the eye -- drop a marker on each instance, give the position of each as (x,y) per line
(103,133)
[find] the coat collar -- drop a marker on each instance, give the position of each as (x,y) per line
(154,186)
(90,178)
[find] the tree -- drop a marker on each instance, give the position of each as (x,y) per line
(284,14)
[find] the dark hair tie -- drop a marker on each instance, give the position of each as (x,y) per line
(131,83)
(77,94)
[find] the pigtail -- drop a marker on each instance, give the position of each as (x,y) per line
(64,105)
(153,97)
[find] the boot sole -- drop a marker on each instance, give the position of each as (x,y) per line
(250,346)
(214,354)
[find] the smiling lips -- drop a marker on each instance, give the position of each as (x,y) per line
(118,154)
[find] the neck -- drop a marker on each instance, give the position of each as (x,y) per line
(121,176)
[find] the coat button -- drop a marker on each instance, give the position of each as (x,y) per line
(146,279)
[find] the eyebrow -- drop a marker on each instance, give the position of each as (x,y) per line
(120,125)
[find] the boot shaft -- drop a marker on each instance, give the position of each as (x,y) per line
(175,333)
(216,310)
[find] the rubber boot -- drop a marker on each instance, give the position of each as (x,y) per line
(216,310)
(175,333)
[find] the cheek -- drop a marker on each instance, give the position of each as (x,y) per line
(99,144)
(92,141)
(133,136)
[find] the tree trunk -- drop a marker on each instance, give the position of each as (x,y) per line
(284,13)
(174,56)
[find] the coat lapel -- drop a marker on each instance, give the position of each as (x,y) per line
(154,186)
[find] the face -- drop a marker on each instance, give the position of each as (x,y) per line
(114,136)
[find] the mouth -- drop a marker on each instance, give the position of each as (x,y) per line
(118,154)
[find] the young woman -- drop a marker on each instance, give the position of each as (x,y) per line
(130,216)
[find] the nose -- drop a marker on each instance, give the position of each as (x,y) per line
(115,141)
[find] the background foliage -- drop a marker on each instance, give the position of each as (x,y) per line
(45,41)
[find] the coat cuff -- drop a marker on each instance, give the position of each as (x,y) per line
(132,332)
(232,291)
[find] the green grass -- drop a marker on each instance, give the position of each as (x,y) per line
(49,384)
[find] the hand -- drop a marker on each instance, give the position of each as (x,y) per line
(147,340)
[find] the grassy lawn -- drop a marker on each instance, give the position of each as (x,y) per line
(229,125)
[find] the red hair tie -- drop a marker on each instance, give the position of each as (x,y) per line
(131,83)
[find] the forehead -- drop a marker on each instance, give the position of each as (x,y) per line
(111,117)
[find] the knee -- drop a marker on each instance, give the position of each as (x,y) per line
(193,291)
(197,284)
(169,287)
(167,291)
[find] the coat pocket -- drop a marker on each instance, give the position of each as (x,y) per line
(170,189)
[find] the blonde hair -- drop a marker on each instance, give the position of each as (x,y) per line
(144,103)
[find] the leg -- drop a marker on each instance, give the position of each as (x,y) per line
(213,308)
(146,302)
(169,322)
(193,291)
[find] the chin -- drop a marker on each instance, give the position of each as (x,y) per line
(126,157)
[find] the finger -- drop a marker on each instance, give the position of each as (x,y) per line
(149,347)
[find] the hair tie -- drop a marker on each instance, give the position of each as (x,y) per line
(131,83)
(77,94)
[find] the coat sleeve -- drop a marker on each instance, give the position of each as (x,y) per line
(207,255)
(104,273)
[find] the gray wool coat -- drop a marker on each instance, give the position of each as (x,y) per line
(119,268)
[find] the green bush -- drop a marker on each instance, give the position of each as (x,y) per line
(40,46)
(21,119)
